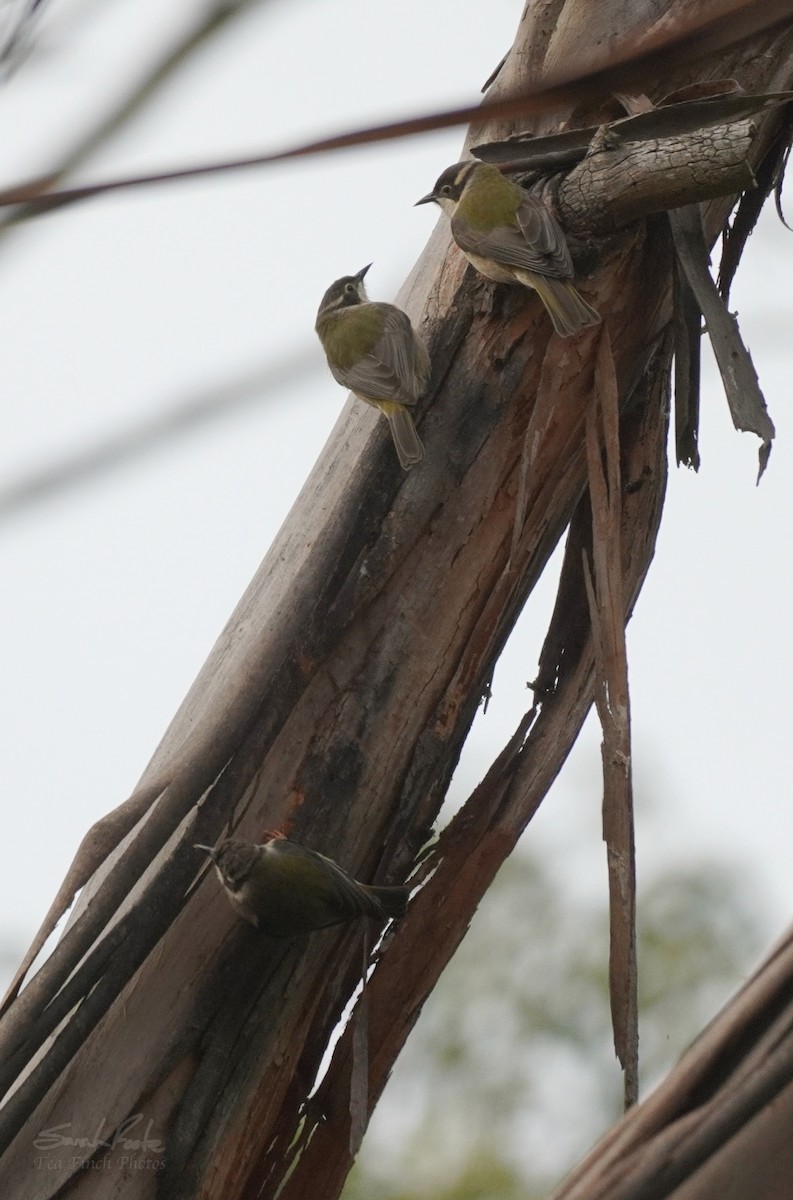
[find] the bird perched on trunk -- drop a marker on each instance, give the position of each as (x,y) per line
(284,889)
(510,236)
(373,350)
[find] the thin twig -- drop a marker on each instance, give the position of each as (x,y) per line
(637,56)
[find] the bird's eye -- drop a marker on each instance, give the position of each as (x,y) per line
(349,288)
(447,189)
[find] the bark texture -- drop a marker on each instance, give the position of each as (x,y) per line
(610,190)
(334,707)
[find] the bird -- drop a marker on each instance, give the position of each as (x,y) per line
(285,889)
(510,236)
(373,350)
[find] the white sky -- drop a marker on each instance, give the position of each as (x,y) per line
(113,594)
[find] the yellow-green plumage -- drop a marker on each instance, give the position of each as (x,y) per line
(373,350)
(285,889)
(491,199)
(349,334)
(510,235)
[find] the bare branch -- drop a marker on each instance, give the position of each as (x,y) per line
(727,22)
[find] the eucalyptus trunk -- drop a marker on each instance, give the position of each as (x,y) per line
(335,705)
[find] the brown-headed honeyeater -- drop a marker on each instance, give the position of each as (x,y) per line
(510,236)
(373,350)
(285,889)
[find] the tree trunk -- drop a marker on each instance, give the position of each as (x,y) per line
(334,707)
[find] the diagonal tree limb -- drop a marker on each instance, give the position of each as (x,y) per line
(185,773)
(719,1122)
(483,832)
(397,662)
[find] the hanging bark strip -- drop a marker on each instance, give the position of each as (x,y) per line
(607,609)
(741,385)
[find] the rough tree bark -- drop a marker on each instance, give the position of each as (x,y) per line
(335,706)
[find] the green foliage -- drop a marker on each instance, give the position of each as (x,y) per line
(510,1074)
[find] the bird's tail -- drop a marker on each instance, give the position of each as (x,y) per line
(567,309)
(392,900)
(403,431)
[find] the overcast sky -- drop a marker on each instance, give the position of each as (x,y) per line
(126,307)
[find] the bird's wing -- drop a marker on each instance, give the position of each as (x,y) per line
(537,245)
(397,366)
(345,891)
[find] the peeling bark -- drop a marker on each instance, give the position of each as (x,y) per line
(613,187)
(335,706)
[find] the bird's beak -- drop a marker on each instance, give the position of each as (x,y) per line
(362,272)
(210,850)
(428,199)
